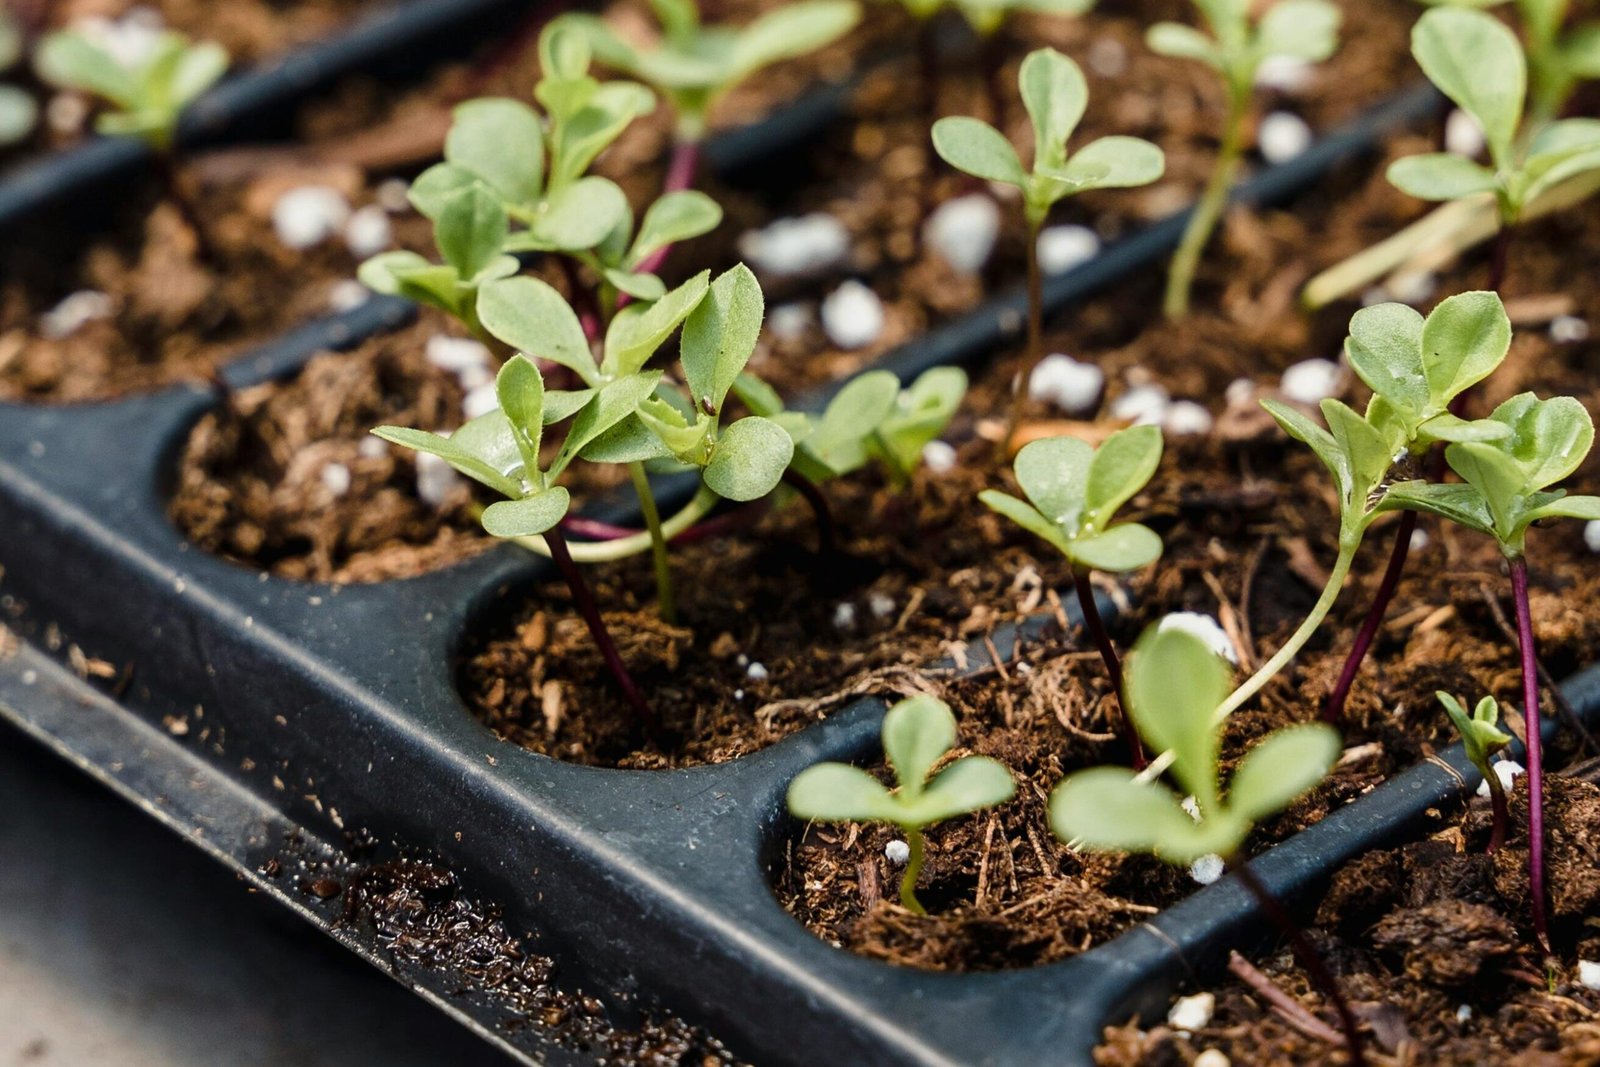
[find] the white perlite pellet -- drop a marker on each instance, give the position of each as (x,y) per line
(844,616)
(1589,974)
(1143,405)
(756,672)
(1311,381)
(368,232)
(1108,57)
(1420,540)
(75,310)
(789,322)
(1185,418)
(852,316)
(881,605)
(897,852)
(480,401)
(1464,1013)
(1063,247)
(348,295)
(939,457)
(372,448)
(1283,136)
(307,215)
(455,354)
(66,112)
(435,479)
(1212,1057)
(802,245)
(1506,770)
(1413,287)
(1591,535)
(336,478)
(1071,386)
(1192,1013)
(1462,135)
(1206,628)
(394,195)
(1568,329)
(1286,74)
(1206,869)
(963,231)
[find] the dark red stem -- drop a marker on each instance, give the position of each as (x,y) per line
(1310,959)
(583,599)
(582,300)
(595,530)
(1530,704)
(1108,655)
(826,534)
(1333,710)
(681,170)
(1502,816)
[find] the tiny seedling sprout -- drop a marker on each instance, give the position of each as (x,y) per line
(1056,95)
(1174,683)
(1478,63)
(1074,492)
(1558,58)
(917,732)
(1482,737)
(1238,42)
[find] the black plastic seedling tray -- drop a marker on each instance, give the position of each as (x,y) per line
(266,718)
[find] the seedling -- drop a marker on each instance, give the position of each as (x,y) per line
(1482,737)
(1507,490)
(1416,369)
(1238,42)
(1174,683)
(1056,95)
(1478,63)
(694,66)
(147,94)
(1558,58)
(19,113)
(1076,491)
(917,732)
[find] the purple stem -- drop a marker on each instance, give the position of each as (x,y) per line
(1333,710)
(680,175)
(819,506)
(1108,654)
(595,530)
(1530,702)
(583,599)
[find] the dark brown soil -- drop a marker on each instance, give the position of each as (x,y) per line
(1431,943)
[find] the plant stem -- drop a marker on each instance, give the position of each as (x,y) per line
(1035,342)
(623,547)
(658,542)
(827,537)
(1310,959)
(595,530)
(1108,655)
(681,170)
(583,599)
(1500,257)
(1203,220)
(1530,702)
(1280,659)
(1502,813)
(908,881)
(1333,710)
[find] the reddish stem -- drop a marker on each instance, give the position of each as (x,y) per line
(1108,655)
(1502,816)
(1500,258)
(1530,703)
(1310,959)
(583,600)
(680,176)
(582,301)
(595,530)
(826,533)
(1333,710)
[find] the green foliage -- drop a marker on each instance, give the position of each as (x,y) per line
(1174,686)
(1508,480)
(1478,63)
(1075,491)
(917,732)
(148,95)
(1357,452)
(987,16)
(1558,57)
(694,65)
(1056,95)
(1240,40)
(19,112)
(871,419)
(1480,731)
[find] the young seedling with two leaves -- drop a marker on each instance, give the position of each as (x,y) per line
(1418,369)
(1174,684)
(1056,95)
(1074,492)
(1558,58)
(1482,737)
(147,94)
(917,732)
(1478,63)
(693,66)
(1508,489)
(1241,38)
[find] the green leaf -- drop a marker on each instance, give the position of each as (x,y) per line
(1477,62)
(685,435)
(1384,348)
(1550,438)
(452,453)
(584,135)
(561,404)
(1368,453)
(528,517)
(1480,734)
(435,187)
(199,67)
(966,785)
(976,148)
(1115,163)
(1175,684)
(489,438)
(1461,504)
(1586,508)
(838,792)
(1122,465)
(500,141)
(916,732)
(677,216)
(1441,176)
(791,30)
(1182,42)
(520,390)
(1302,429)
(1027,517)
(1449,428)
(579,216)
(1279,769)
(1125,547)
(1463,340)
(612,403)
(919,415)
(68,59)
(1054,473)
(630,441)
(530,316)
(750,458)
(1055,94)
(720,334)
(1580,51)
(1107,809)
(1498,478)
(646,287)
(636,332)
(471,230)
(856,411)
(1300,29)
